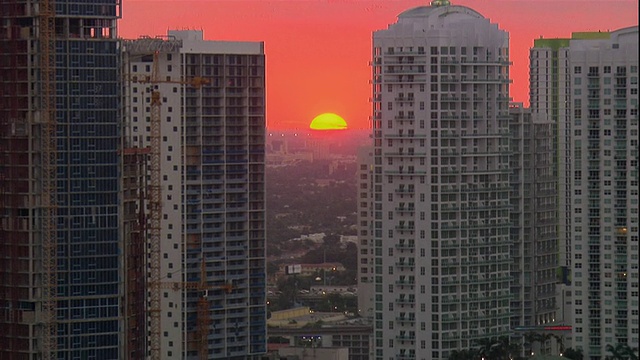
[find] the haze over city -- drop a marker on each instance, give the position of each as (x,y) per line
(319,50)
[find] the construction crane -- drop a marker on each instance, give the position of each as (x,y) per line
(204,320)
(155,203)
(203,317)
(48,179)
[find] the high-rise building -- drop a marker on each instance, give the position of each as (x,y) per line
(212,263)
(440,191)
(365,232)
(588,86)
(534,214)
(60,250)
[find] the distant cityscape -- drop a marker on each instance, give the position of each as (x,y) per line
(147,212)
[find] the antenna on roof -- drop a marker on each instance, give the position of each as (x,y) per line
(440,3)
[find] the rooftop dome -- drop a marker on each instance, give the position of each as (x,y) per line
(420,11)
(438,8)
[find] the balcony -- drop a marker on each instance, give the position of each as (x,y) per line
(405,191)
(405,265)
(406,319)
(404,71)
(498,80)
(405,246)
(405,282)
(486,62)
(406,356)
(406,301)
(405,337)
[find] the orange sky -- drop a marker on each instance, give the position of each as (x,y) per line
(318,51)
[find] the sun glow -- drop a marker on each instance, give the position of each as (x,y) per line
(328,121)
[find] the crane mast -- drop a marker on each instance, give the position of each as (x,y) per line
(155,211)
(48,178)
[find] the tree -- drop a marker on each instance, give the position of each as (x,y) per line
(560,341)
(621,352)
(272,268)
(331,240)
(495,348)
(531,337)
(617,352)
(573,354)
(463,355)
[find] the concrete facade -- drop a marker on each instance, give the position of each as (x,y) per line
(588,86)
(213,210)
(440,245)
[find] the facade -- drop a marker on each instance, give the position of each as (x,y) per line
(440,192)
(594,104)
(365,232)
(355,338)
(212,187)
(61,254)
(534,215)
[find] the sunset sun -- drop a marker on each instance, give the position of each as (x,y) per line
(328,121)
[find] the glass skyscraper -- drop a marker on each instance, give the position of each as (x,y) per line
(87,258)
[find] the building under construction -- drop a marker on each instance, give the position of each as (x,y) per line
(61,262)
(134,183)
(199,107)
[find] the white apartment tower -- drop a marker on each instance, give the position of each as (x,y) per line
(440,191)
(588,86)
(534,219)
(212,187)
(365,233)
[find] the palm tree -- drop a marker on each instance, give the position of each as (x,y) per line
(462,355)
(560,341)
(531,338)
(622,351)
(573,354)
(495,348)
(619,352)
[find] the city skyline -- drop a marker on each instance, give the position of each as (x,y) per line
(294,32)
(134,175)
